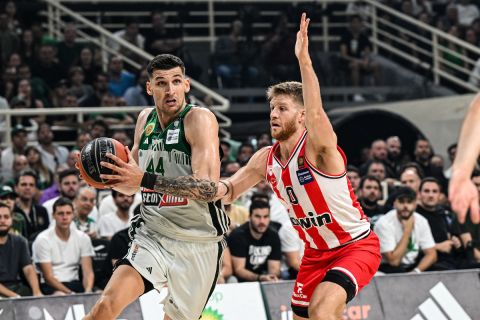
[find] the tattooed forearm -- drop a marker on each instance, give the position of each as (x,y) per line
(187,186)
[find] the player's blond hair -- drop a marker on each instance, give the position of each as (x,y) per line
(289,88)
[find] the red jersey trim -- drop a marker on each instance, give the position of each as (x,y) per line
(297,146)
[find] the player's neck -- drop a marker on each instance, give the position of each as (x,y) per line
(287,146)
(166,118)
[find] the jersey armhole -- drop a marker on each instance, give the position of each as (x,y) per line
(326,174)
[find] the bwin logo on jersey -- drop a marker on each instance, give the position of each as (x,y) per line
(312,220)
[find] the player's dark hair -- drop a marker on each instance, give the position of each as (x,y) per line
(258,204)
(289,88)
(60,202)
(164,62)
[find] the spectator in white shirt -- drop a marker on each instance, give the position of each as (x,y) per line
(53,155)
(115,221)
(60,251)
(467,12)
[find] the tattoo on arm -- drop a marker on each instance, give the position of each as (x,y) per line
(187,186)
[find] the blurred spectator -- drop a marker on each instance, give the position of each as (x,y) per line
(395,157)
(467,12)
(35,215)
(100,87)
(137,95)
(123,138)
(59,253)
(377,169)
(82,139)
(378,152)
(19,144)
(117,220)
(99,128)
(14,61)
(355,49)
(264,140)
(53,154)
(87,63)
(77,86)
(117,249)
(68,49)
(403,233)
(72,158)
(46,66)
(370,192)
(411,178)
(107,205)
(131,34)
(119,80)
(450,19)
(474,77)
(27,47)
(24,94)
(445,232)
(353,175)
(109,100)
(232,58)
(255,248)
(67,120)
(230,168)
(159,40)
(19,224)
(245,152)
(12,21)
(451,151)
(9,83)
(8,39)
(84,203)
(455,54)
(59,93)
(45,176)
(225,145)
(68,182)
(20,163)
(14,260)
(278,52)
(40,89)
(423,153)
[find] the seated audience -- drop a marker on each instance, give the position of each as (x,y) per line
(255,248)
(60,251)
(117,220)
(403,233)
(14,260)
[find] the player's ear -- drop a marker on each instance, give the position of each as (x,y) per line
(187,85)
(147,86)
(302,115)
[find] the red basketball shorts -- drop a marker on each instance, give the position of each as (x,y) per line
(351,266)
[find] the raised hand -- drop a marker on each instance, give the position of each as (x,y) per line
(301,46)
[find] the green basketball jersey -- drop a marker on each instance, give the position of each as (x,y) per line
(168,153)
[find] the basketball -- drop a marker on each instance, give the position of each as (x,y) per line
(93,153)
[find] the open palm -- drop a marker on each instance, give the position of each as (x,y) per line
(301,46)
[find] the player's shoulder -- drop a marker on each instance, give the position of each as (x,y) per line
(260,157)
(197,113)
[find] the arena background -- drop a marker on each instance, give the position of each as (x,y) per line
(427,75)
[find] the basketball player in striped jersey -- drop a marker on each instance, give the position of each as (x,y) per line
(178,238)
(307,171)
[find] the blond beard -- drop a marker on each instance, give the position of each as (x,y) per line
(284,134)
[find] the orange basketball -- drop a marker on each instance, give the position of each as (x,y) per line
(93,153)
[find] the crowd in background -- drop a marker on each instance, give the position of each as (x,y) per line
(50,221)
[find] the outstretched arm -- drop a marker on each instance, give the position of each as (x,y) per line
(462,192)
(245,178)
(201,185)
(322,140)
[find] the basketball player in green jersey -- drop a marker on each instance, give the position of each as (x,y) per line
(177,239)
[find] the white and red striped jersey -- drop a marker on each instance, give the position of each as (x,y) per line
(323,208)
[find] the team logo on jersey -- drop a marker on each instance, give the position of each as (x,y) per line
(152,198)
(301,162)
(149,128)
(304,176)
(312,220)
(172,136)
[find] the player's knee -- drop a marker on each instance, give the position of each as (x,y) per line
(104,309)
(323,312)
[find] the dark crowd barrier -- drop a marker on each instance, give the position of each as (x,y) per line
(447,295)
